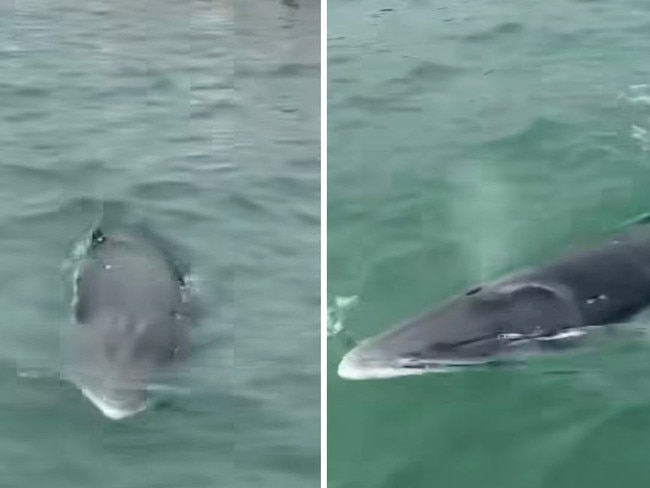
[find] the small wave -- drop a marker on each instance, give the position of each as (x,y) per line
(431,72)
(637,94)
(642,135)
(497,32)
(37,373)
(379,105)
(639,100)
(292,70)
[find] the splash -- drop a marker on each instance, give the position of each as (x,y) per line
(336,314)
(637,98)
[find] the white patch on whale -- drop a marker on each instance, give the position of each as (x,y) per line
(111,409)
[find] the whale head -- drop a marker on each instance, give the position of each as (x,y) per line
(482,326)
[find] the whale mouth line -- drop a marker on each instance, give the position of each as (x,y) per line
(112,409)
(354,366)
(392,370)
(366,362)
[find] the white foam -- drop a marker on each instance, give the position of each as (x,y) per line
(336,313)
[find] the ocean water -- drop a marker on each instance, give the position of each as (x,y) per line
(200,119)
(468,139)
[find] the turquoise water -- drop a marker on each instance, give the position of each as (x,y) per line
(208,131)
(466,140)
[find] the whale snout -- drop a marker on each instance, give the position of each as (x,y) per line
(356,365)
(115,395)
(117,404)
(362,364)
(369,360)
(477,328)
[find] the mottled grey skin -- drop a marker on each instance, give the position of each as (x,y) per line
(131,321)
(538,309)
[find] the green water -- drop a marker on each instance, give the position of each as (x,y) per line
(207,130)
(468,139)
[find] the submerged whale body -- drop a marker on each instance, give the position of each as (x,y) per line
(131,321)
(536,310)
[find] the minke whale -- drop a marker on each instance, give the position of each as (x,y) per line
(131,321)
(537,310)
